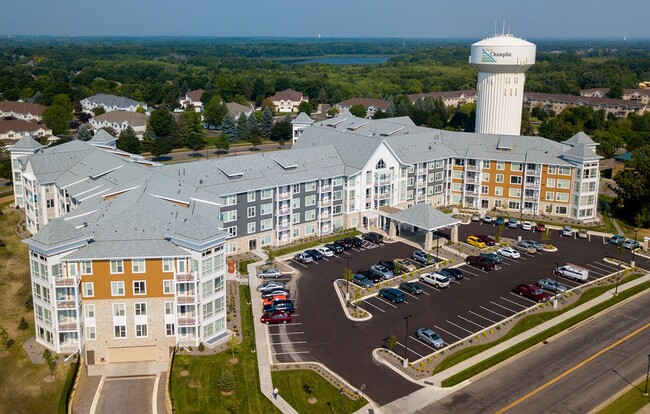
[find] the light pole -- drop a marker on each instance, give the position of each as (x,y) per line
(645,390)
(406,338)
(636,232)
(555,297)
(348,272)
(618,279)
(340,400)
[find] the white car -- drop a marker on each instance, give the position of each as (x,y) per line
(270,273)
(509,252)
(567,231)
(325,252)
(526,225)
(435,280)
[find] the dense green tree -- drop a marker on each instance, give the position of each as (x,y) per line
(243,129)
(5,163)
(222,143)
(161,123)
(305,107)
(99,110)
(615,91)
(195,134)
(215,110)
(333,111)
(161,146)
(268,103)
(128,141)
(358,110)
(633,186)
(266,125)
(281,130)
(252,121)
(229,127)
(255,138)
(58,116)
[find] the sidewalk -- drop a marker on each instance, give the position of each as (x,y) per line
(432,393)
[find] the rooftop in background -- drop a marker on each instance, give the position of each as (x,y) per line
(22,107)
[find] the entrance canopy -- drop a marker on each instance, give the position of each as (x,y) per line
(422,216)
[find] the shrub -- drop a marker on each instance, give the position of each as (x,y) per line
(226,381)
(23,324)
(201,347)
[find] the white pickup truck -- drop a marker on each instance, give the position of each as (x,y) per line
(575,272)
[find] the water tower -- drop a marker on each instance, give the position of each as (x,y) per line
(501,62)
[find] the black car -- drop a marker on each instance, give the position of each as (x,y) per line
(411,287)
(373,237)
(280,305)
(336,248)
(388,264)
(356,242)
(375,278)
(344,243)
(315,254)
(451,273)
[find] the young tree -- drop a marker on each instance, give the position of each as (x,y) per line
(392,341)
(195,134)
(267,123)
(128,141)
(229,127)
(255,139)
(98,110)
(226,382)
(222,143)
(332,111)
(84,134)
(268,103)
(358,110)
(215,110)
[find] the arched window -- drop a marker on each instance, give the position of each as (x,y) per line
(381,164)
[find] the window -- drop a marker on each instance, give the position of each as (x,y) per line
(231,200)
(497,203)
(169,329)
(485,189)
(515,179)
(89,311)
(563,197)
(295,203)
(168,287)
(266,224)
(117,288)
(139,287)
(310,215)
(499,178)
(337,209)
(457,174)
(250,212)
(516,166)
(513,205)
(309,229)
(88,289)
(228,216)
(295,233)
(120,331)
(86,267)
(266,194)
(232,231)
(117,266)
(265,240)
(550,196)
(310,186)
(140,309)
(429,190)
(119,309)
(91,335)
(564,184)
(169,308)
(498,191)
(337,182)
(251,227)
(381,164)
(141,331)
(552,169)
(295,218)
(440,163)
(137,266)
(266,209)
(439,176)
(457,187)
(310,200)
(338,194)
(296,188)
(486,164)
(514,192)
(250,197)
(560,210)
(168,265)
(437,189)
(564,170)
(501,165)
(486,176)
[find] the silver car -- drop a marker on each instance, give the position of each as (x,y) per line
(382,271)
(552,285)
(524,247)
(270,273)
(428,336)
(534,243)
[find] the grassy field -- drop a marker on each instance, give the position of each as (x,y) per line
(630,402)
(22,385)
(291,386)
(198,391)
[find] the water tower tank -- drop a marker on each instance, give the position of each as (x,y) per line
(501,62)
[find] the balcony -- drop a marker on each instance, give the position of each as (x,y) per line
(472,180)
(186,297)
(534,185)
(283,211)
(67,302)
(283,196)
(531,198)
(66,281)
(187,319)
(420,184)
(472,168)
(325,188)
(68,324)
(186,277)
(535,173)
(283,226)
(325,201)
(382,196)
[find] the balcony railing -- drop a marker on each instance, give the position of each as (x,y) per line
(472,168)
(187,319)
(67,303)
(534,172)
(382,196)
(186,277)
(531,185)
(531,198)
(419,184)
(325,188)
(325,201)
(66,281)
(70,324)
(472,180)
(284,196)
(186,297)
(283,211)
(283,226)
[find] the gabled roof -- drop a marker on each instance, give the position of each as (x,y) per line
(303,118)
(423,216)
(582,152)
(55,234)
(287,95)
(22,108)
(114,101)
(580,138)
(135,119)
(27,143)
(235,109)
(102,137)
(195,95)
(366,102)
(20,125)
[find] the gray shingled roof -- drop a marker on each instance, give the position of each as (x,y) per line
(114,101)
(57,232)
(104,138)
(580,138)
(423,216)
(27,143)
(302,118)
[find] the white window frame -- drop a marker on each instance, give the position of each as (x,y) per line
(167,265)
(85,286)
(144,287)
(117,266)
(168,287)
(116,286)
(135,268)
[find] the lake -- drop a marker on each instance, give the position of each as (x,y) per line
(345,60)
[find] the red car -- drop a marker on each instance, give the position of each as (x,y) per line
(540,227)
(276,317)
(532,292)
(488,240)
(480,262)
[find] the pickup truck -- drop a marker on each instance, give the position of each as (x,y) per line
(571,271)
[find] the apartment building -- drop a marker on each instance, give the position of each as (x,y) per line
(558,103)
(22,110)
(449,98)
(639,95)
(111,103)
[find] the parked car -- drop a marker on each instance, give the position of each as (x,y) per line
(268,301)
(534,243)
(540,227)
(326,252)
(566,231)
(374,278)
(405,265)
(630,244)
(512,223)
(492,256)
(526,225)
(392,294)
(435,280)
(276,292)
(480,262)
(476,242)
(303,258)
(423,257)
(355,241)
(336,248)
(271,272)
(574,272)
(361,280)
(428,336)
(509,252)
(476,217)
(270,285)
(279,305)
(552,285)
(344,243)
(451,272)
(532,292)
(487,219)
(381,271)
(499,221)
(388,264)
(315,254)
(373,237)
(487,239)
(582,234)
(524,247)
(617,239)
(411,287)
(275,317)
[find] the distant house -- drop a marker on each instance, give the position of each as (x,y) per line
(111,103)
(288,100)
(192,99)
(557,103)
(236,110)
(636,95)
(371,105)
(22,110)
(120,120)
(12,130)
(449,98)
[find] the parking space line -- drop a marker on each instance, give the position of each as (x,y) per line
(447,332)
(473,274)
(458,326)
(347,253)
(467,320)
(376,307)
(605,241)
(497,313)
(385,301)
(483,317)
(419,341)
(301,264)
(505,263)
(513,302)
(523,297)
(413,296)
(287,333)
(410,349)
(607,265)
(597,268)
(290,353)
(288,343)
(428,286)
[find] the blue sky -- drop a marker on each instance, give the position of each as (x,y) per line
(330,18)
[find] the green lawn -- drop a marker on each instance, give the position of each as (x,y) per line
(630,402)
(198,392)
(291,384)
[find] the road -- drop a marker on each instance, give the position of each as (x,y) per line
(126,395)
(574,373)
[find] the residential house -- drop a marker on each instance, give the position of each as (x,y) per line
(450,98)
(371,105)
(288,100)
(12,130)
(638,95)
(236,110)
(120,120)
(557,103)
(192,100)
(111,103)
(22,110)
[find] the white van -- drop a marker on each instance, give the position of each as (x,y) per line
(571,271)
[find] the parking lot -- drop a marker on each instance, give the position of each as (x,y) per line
(321,332)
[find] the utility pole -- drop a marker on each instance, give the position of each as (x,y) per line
(406,338)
